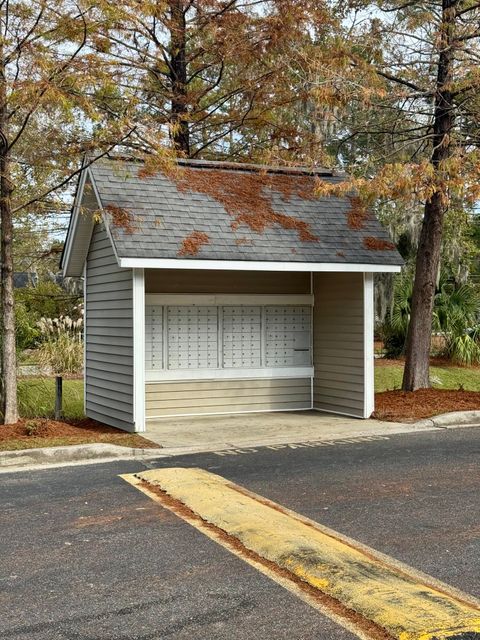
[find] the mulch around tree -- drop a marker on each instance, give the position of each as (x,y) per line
(40,432)
(402,406)
(435,361)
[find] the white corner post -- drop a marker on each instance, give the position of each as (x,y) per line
(368,344)
(139,349)
(85,338)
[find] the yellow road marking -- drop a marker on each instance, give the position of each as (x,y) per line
(262,568)
(392,596)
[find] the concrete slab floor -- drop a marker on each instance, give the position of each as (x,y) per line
(252,429)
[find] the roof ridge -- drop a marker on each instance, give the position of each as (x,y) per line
(240,166)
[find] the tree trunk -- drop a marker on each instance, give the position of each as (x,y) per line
(178,78)
(9,356)
(416,373)
(8,406)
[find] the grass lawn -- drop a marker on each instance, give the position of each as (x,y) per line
(389,377)
(37,395)
(36,398)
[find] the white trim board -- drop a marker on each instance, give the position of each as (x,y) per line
(138,285)
(212,375)
(72,231)
(192,299)
(368,345)
(102,208)
(219,413)
(338,413)
(253,265)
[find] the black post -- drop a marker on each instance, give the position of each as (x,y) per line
(58,397)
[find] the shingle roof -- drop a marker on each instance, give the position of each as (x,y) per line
(218,205)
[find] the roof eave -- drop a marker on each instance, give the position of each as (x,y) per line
(72,245)
(254,265)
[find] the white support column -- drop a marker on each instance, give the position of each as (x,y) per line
(368,344)
(139,349)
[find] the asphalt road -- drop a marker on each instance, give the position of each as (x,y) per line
(86,556)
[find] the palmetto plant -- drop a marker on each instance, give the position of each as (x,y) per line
(395,326)
(456,317)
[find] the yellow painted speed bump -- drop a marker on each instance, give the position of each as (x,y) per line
(390,595)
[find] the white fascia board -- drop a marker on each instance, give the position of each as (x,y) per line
(250,265)
(69,242)
(74,223)
(107,227)
(89,174)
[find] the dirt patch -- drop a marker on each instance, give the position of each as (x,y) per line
(26,434)
(409,406)
(389,362)
(96,521)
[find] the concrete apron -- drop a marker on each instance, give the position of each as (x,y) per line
(263,429)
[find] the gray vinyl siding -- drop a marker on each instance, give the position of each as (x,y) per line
(108,336)
(338,343)
(199,397)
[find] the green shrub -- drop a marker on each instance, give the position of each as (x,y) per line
(26,331)
(32,428)
(47,300)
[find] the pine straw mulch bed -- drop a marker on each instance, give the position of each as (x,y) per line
(40,432)
(435,361)
(402,406)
